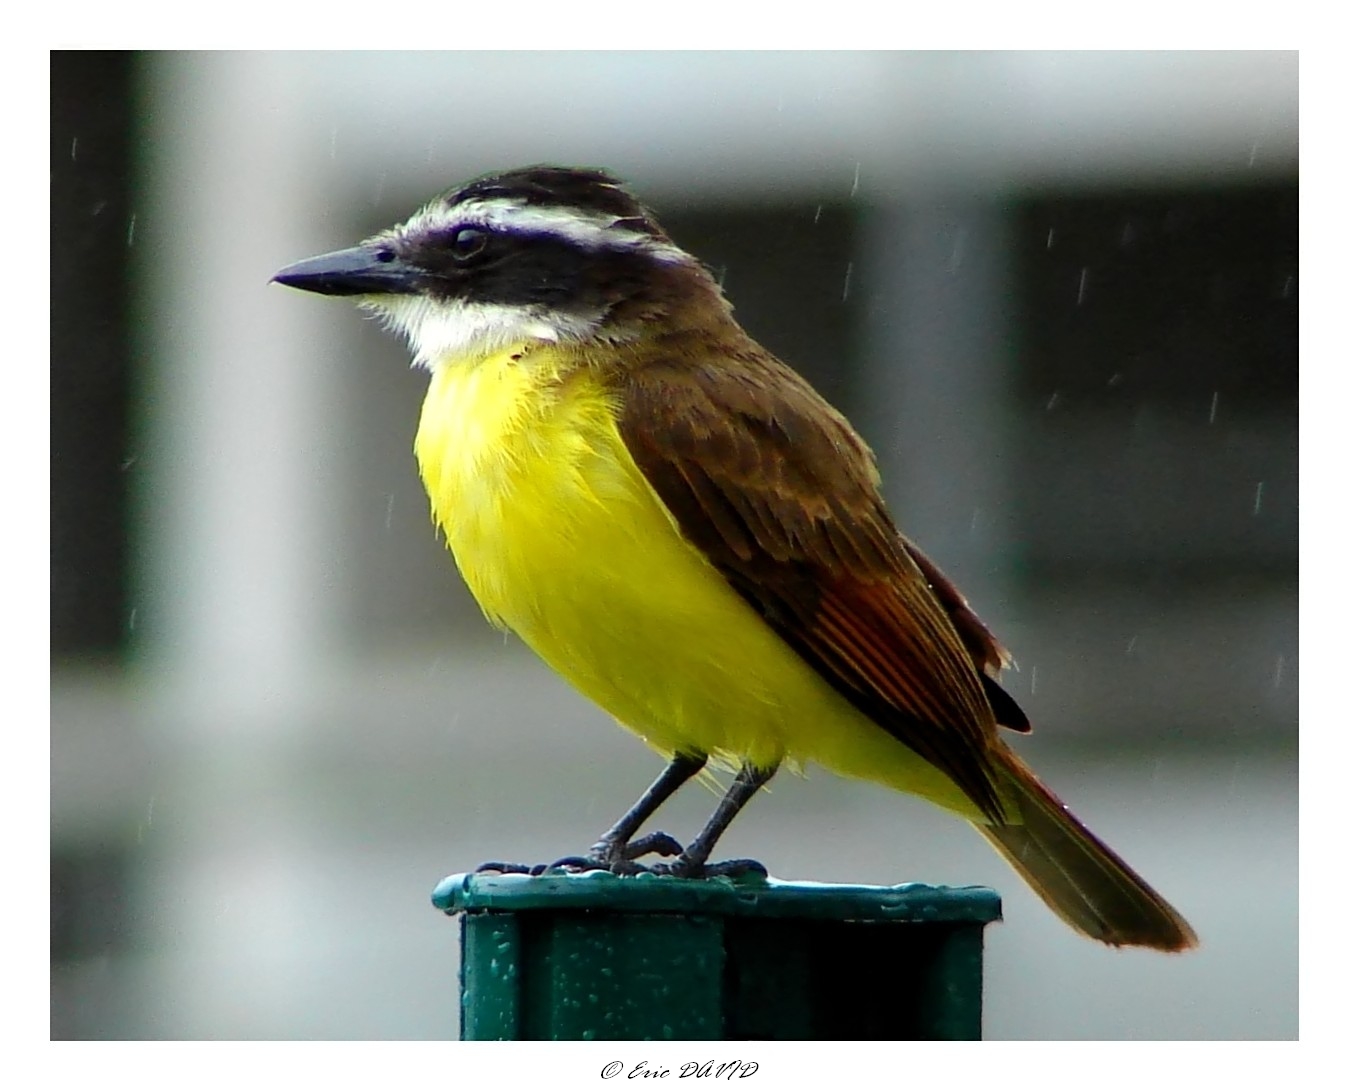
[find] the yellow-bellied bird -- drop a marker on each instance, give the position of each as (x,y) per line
(691,536)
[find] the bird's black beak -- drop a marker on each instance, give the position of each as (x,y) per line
(363,270)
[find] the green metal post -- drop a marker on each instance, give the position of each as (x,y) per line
(592,956)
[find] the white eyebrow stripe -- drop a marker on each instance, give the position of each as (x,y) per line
(593,231)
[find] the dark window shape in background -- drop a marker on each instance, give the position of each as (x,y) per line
(92,231)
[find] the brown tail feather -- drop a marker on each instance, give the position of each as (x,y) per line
(1076,874)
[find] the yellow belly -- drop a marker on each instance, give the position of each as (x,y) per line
(561,540)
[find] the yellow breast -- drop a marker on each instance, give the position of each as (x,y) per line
(511,452)
(562,540)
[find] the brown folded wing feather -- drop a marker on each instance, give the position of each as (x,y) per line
(780,494)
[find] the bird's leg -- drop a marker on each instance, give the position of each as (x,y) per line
(617,842)
(692,862)
(616,851)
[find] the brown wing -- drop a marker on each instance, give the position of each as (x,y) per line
(985,649)
(781,496)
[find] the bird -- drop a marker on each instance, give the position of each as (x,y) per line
(680,526)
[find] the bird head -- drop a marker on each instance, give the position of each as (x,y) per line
(543,253)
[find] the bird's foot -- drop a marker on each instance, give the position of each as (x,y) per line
(619,858)
(684,868)
(502,868)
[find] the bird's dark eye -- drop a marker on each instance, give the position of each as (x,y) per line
(384,255)
(464,242)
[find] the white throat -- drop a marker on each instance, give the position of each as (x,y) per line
(445,332)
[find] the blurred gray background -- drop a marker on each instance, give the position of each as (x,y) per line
(1057,292)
